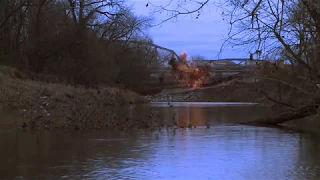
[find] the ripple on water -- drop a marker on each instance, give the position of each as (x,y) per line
(221,152)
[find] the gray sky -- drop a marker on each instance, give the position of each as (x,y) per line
(203,36)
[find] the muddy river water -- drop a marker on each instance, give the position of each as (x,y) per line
(216,149)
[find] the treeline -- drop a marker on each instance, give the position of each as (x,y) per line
(79,42)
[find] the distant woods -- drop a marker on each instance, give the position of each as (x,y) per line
(79,42)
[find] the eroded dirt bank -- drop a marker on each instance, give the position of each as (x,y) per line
(232,91)
(48,106)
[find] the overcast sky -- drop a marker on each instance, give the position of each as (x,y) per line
(203,36)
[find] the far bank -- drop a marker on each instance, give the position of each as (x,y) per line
(244,92)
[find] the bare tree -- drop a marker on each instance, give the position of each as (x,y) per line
(285,30)
(77,40)
(12,15)
(289,29)
(175,8)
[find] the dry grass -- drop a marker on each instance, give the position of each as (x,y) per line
(50,106)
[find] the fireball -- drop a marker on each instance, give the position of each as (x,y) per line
(183,56)
(190,76)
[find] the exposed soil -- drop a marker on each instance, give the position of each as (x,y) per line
(230,91)
(48,106)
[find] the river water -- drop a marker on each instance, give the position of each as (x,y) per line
(222,151)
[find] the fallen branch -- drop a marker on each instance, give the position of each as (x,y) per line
(283,82)
(289,115)
(274,100)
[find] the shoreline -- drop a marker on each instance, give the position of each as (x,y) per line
(51,105)
(233,93)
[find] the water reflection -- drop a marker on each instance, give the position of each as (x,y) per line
(224,151)
(200,113)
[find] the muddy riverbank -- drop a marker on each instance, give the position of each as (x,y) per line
(49,106)
(224,92)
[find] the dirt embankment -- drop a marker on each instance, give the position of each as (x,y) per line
(229,91)
(48,106)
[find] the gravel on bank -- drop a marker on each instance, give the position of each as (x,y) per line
(49,105)
(167,97)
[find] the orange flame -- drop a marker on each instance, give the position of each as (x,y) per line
(194,78)
(191,76)
(183,56)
